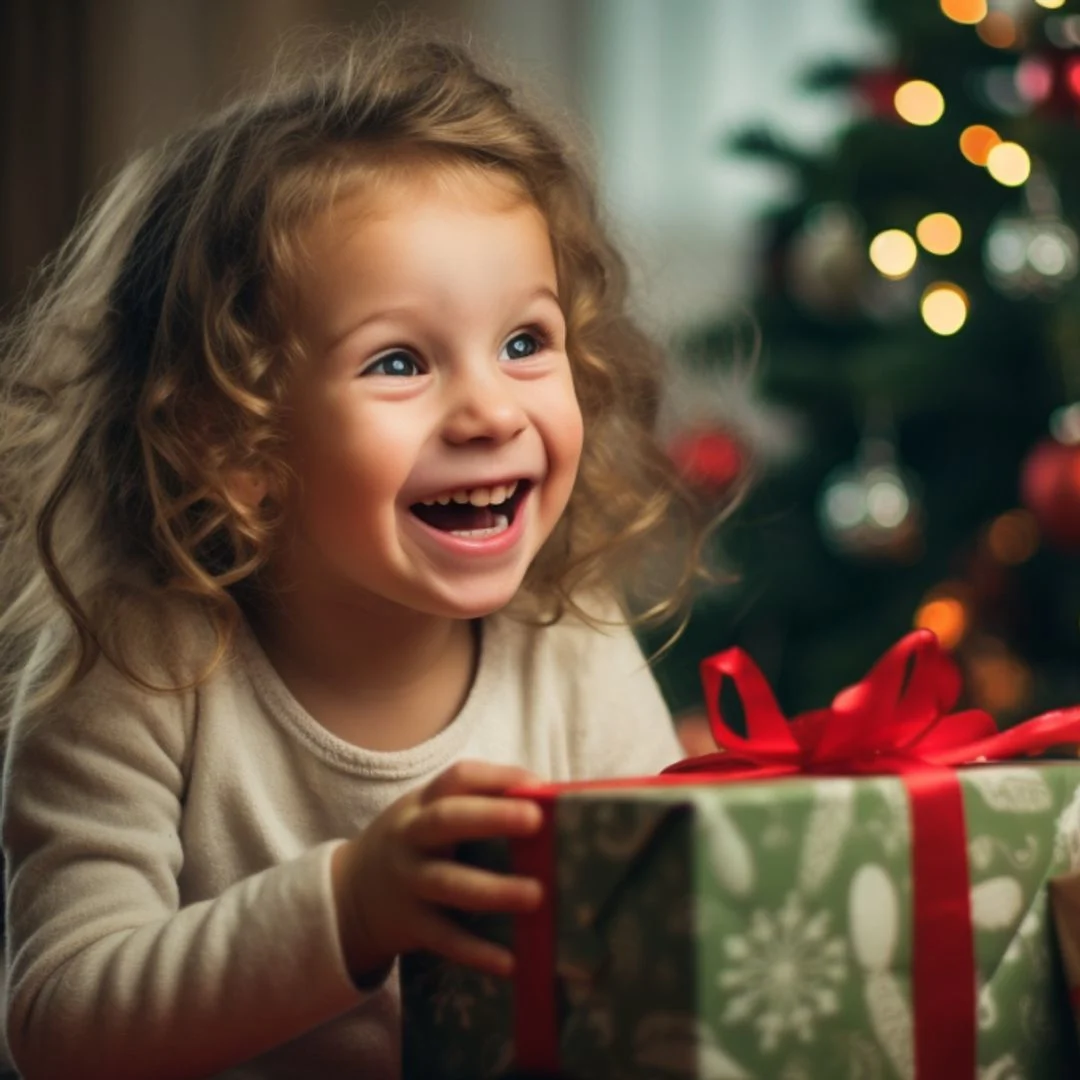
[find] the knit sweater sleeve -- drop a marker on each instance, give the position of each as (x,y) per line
(108,975)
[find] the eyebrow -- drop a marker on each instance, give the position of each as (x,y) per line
(542,292)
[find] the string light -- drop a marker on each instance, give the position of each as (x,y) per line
(947,616)
(919,102)
(967,12)
(999,681)
(998,30)
(939,233)
(1013,537)
(944,307)
(977,141)
(1009,164)
(893,252)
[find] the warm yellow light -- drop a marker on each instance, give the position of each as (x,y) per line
(893,252)
(968,12)
(998,30)
(940,234)
(998,680)
(947,617)
(919,102)
(1051,5)
(944,307)
(1009,164)
(1013,537)
(977,141)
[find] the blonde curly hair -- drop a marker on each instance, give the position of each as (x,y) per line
(156,358)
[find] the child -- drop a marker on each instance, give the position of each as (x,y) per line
(325,451)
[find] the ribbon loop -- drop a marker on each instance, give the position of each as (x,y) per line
(768,736)
(898,712)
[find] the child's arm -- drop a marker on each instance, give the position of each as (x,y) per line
(109,975)
(390,882)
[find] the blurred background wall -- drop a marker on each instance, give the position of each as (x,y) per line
(655,83)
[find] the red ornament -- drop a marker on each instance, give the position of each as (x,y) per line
(711,459)
(1050,489)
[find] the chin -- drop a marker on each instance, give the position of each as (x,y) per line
(475,603)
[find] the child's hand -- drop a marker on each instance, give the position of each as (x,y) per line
(391,881)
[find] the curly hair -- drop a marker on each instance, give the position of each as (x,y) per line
(156,360)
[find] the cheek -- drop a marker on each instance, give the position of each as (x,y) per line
(350,462)
(567,428)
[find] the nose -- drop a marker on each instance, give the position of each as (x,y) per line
(484,404)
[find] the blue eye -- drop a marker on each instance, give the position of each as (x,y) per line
(394,363)
(522,345)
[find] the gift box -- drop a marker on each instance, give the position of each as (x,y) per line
(860,892)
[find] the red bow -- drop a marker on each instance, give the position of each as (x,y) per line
(895,721)
(897,716)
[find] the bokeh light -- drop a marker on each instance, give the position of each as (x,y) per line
(939,233)
(1065,424)
(1051,5)
(968,12)
(919,102)
(944,307)
(998,30)
(999,681)
(1009,164)
(1013,537)
(1034,80)
(977,141)
(947,617)
(1063,31)
(893,252)
(1072,76)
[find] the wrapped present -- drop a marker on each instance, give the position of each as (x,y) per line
(859,892)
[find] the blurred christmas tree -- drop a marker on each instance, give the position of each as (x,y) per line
(919,309)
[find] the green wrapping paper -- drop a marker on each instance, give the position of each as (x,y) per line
(764,930)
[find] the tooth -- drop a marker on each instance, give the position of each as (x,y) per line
(498,494)
(427,502)
(443,500)
(511,488)
(480,496)
(461,497)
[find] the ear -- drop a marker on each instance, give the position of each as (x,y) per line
(248,486)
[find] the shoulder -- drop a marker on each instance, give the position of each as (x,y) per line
(593,674)
(162,646)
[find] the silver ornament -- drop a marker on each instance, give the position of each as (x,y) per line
(1034,253)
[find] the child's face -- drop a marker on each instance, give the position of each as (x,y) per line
(436,368)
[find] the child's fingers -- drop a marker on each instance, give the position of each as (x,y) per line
(471,817)
(476,777)
(438,934)
(467,888)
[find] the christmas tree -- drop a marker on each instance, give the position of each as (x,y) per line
(918,313)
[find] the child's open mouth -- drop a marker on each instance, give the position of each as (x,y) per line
(476,513)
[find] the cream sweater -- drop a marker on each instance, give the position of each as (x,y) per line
(169,900)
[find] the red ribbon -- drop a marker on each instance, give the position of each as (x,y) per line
(896,721)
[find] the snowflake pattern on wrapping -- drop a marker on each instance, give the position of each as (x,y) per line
(783,973)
